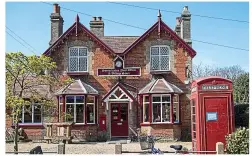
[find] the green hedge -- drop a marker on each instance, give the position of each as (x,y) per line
(241,115)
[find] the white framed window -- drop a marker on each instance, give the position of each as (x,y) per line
(32,114)
(161,108)
(145,108)
(159,58)
(78,59)
(176,108)
(90,109)
(75,107)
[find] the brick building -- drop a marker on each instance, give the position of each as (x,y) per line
(123,82)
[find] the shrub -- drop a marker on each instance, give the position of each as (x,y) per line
(238,142)
(241,115)
(102,136)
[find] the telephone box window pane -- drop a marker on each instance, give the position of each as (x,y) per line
(194,127)
(70,99)
(79,113)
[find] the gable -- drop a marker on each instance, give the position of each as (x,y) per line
(75,29)
(161,26)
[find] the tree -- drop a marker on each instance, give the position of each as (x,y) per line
(26,83)
(231,72)
(241,89)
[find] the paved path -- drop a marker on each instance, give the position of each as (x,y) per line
(92,148)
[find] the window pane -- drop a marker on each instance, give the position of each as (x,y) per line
(146,112)
(90,99)
(166,98)
(146,98)
(37,114)
(156,112)
(73,65)
(176,112)
(156,99)
(175,98)
(154,51)
(60,99)
(70,99)
(79,113)
(164,63)
(164,51)
(83,52)
(82,64)
(73,51)
(70,110)
(154,62)
(79,99)
(90,113)
(166,112)
(27,114)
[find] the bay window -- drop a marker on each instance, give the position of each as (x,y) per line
(79,109)
(159,58)
(32,114)
(78,59)
(162,106)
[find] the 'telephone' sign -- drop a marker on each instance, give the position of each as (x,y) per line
(215,87)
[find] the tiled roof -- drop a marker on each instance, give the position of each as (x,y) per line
(77,87)
(119,43)
(160,86)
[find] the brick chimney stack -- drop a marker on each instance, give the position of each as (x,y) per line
(56,24)
(97,26)
(186,26)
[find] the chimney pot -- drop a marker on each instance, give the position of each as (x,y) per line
(178,20)
(100,18)
(94,18)
(185,8)
(55,7)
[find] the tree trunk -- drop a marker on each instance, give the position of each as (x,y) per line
(16,137)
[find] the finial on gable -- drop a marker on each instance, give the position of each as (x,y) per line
(77,19)
(159,14)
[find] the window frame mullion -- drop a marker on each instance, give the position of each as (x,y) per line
(32,113)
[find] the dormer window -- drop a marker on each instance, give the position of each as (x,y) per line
(159,56)
(78,59)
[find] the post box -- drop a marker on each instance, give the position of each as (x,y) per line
(212,112)
(102,122)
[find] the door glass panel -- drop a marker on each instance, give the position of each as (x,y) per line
(115,112)
(124,112)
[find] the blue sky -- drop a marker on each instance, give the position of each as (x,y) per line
(31,21)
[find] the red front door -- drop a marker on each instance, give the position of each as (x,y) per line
(216,121)
(119,119)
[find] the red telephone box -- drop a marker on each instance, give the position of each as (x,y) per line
(212,112)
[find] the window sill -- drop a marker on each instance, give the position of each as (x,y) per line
(77,73)
(82,124)
(159,123)
(29,125)
(160,71)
